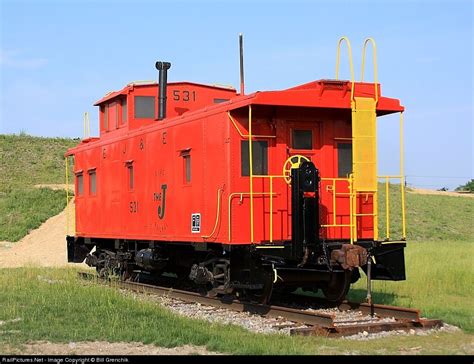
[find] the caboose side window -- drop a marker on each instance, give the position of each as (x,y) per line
(344,159)
(302,139)
(144,107)
(124,111)
(259,160)
(92,182)
(80,184)
(106,117)
(131,176)
(186,166)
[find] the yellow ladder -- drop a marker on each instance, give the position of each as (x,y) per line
(364,139)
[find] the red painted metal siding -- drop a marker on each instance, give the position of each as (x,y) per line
(161,203)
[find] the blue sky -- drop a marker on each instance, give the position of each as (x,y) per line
(58,57)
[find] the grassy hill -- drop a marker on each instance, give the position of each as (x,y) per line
(429,217)
(25,161)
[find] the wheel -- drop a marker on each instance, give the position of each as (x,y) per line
(337,288)
(261,296)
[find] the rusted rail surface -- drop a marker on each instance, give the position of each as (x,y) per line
(320,323)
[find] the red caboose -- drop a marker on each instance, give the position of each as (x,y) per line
(173,184)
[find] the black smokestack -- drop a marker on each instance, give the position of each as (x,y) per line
(163,68)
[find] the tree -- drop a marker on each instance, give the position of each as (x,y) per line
(469,186)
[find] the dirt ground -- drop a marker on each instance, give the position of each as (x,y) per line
(439,193)
(104,348)
(56,186)
(45,246)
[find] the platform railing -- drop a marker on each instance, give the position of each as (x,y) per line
(387,180)
(333,188)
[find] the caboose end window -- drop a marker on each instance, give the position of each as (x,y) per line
(302,139)
(259,160)
(144,107)
(344,160)
(92,182)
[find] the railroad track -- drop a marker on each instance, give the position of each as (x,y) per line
(372,318)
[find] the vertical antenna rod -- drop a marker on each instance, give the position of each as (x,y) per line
(242,82)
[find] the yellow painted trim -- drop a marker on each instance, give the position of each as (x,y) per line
(218,213)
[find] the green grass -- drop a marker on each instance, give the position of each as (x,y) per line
(429,217)
(25,161)
(25,209)
(440,282)
(69,310)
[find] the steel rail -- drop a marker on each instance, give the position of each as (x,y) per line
(320,323)
(302,317)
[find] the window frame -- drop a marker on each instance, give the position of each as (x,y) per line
(79,177)
(338,150)
(153,116)
(292,141)
(106,117)
(244,162)
(124,111)
(187,166)
(92,172)
(130,175)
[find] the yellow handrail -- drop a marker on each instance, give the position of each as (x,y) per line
(387,179)
(402,179)
(334,211)
(251,173)
(349,50)
(229,206)
(218,212)
(374,53)
(387,207)
(271,198)
(67,194)
(246,136)
(271,209)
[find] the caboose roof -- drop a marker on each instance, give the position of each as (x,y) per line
(113,94)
